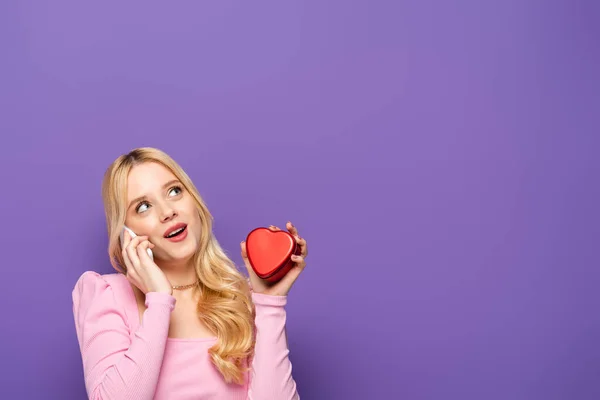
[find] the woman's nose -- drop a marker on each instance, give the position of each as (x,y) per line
(168,214)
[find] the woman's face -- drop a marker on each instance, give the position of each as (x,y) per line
(159,207)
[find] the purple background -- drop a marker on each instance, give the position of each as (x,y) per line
(440,158)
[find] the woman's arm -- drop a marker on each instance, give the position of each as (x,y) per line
(114,365)
(271,369)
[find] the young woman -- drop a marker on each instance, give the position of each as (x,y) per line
(184,323)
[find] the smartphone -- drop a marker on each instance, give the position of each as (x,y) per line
(132,236)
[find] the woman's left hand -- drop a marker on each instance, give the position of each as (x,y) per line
(283,286)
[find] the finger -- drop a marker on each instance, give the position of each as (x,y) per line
(142,252)
(304,248)
(293,274)
(243,250)
(301,242)
(126,238)
(274,228)
(291,228)
(299,261)
(134,260)
(136,241)
(127,261)
(124,253)
(147,243)
(246,260)
(131,250)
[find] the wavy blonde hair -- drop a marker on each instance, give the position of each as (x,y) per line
(225,304)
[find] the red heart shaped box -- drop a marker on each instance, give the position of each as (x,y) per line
(270,253)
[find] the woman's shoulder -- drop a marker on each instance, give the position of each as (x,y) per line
(92,285)
(92,280)
(101,303)
(100,296)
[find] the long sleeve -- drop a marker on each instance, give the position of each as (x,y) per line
(271,369)
(115,365)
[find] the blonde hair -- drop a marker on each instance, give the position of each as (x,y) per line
(225,304)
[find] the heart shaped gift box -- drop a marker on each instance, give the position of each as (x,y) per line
(270,253)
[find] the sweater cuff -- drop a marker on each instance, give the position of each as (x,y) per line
(269,300)
(160,298)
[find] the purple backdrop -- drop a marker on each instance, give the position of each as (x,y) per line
(440,158)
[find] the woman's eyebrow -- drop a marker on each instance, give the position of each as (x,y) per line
(170,183)
(145,197)
(137,199)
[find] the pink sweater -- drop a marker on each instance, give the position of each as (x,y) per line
(123,359)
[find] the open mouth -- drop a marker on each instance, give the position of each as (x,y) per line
(176,233)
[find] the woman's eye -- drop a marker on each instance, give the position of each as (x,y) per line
(141,208)
(175,191)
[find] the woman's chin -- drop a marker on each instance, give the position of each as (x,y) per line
(176,250)
(180,256)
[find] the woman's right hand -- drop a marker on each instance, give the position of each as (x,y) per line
(141,270)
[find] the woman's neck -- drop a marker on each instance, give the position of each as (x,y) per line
(179,275)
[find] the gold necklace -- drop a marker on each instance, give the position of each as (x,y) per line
(183,287)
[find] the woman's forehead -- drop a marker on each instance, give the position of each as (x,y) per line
(147,177)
